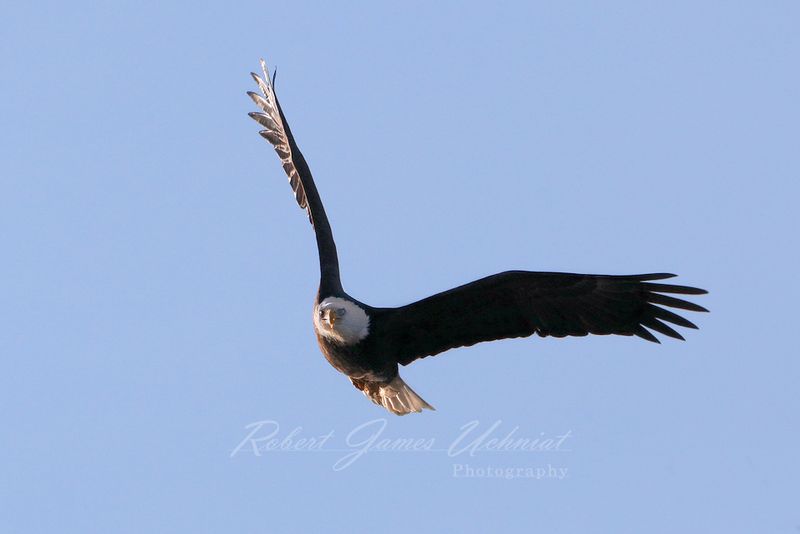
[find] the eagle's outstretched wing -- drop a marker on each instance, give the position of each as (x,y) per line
(277,132)
(521,303)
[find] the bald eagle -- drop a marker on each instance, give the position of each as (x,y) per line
(368,344)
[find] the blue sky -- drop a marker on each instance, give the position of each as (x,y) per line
(158,278)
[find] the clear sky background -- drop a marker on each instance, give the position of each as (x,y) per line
(157,277)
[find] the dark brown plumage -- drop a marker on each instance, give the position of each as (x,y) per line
(521,303)
(367,344)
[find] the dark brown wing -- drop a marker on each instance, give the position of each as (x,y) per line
(521,303)
(277,132)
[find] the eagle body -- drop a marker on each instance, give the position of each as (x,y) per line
(358,357)
(352,338)
(368,344)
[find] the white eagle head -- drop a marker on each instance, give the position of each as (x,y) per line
(341,320)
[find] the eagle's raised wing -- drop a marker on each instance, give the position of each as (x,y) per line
(521,303)
(277,132)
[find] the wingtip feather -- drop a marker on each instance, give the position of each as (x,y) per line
(643,333)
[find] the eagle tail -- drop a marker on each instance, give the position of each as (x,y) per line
(395,396)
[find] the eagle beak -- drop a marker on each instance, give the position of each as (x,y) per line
(331,317)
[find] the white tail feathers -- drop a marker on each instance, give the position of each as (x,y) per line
(396,397)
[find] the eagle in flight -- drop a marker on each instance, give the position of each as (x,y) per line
(368,344)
